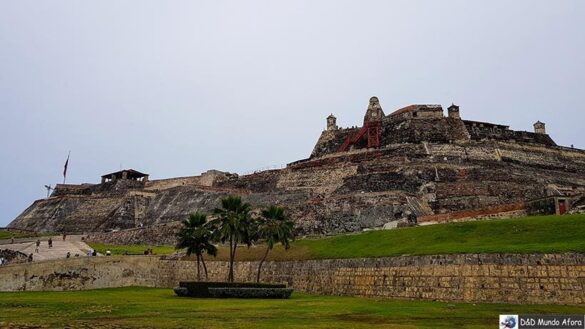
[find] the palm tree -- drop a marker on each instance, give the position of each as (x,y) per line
(196,235)
(233,225)
(274,227)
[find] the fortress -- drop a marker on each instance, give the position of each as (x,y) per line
(414,165)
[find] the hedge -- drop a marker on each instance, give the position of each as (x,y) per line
(281,293)
(201,289)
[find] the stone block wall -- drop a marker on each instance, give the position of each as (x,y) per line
(483,278)
(161,234)
(502,211)
(164,184)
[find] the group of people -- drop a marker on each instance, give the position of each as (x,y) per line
(69,255)
(38,244)
(90,253)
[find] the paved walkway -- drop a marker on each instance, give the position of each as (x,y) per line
(72,244)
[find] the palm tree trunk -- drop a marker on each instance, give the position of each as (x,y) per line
(231,269)
(204,268)
(260,265)
(198,274)
(233,261)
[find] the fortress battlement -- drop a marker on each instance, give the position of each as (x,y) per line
(416,124)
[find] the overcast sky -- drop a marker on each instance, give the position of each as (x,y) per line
(174,88)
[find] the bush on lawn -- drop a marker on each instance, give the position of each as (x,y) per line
(280,293)
(181,291)
(201,289)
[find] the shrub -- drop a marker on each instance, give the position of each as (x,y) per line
(181,291)
(281,293)
(201,289)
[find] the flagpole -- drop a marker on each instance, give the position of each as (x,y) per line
(65,168)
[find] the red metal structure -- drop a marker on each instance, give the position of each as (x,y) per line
(562,207)
(373,131)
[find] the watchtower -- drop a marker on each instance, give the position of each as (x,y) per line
(374,112)
(453,111)
(540,127)
(372,127)
(331,122)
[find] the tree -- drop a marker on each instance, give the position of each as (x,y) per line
(196,236)
(274,227)
(233,225)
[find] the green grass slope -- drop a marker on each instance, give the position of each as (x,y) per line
(160,308)
(5,235)
(131,249)
(539,234)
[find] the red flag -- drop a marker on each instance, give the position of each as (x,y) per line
(65,168)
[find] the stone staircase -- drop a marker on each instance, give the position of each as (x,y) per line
(60,248)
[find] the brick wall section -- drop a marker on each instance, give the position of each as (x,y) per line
(493,278)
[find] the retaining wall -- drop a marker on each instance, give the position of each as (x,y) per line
(493,278)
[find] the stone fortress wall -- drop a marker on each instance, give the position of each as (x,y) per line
(483,278)
(160,234)
(427,164)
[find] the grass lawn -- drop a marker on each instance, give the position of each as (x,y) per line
(131,249)
(160,308)
(539,234)
(5,235)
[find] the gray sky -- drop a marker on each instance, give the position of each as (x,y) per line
(174,88)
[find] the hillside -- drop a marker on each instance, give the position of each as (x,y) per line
(537,234)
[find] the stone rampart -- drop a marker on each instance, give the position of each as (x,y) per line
(339,192)
(484,278)
(163,184)
(161,234)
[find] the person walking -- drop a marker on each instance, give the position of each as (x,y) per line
(38,245)
(50,243)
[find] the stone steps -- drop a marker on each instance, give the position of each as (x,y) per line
(58,251)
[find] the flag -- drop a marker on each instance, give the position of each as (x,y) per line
(65,167)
